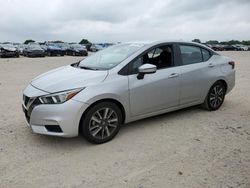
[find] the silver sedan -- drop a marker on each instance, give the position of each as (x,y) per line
(124,83)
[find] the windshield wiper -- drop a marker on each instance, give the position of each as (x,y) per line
(88,68)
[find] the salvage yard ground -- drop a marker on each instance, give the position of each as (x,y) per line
(188,148)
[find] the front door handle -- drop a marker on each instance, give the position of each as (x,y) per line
(210,65)
(173,75)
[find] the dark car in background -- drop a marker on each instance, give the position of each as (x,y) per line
(8,50)
(64,46)
(217,47)
(230,48)
(77,50)
(33,50)
(54,50)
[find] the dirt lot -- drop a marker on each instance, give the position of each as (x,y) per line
(189,148)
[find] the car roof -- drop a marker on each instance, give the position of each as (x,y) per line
(165,41)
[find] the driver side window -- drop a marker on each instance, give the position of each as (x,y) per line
(161,57)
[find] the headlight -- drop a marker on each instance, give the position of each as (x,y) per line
(60,97)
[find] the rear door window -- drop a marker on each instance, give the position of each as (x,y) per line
(190,54)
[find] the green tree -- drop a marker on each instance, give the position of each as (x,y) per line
(246,42)
(29,41)
(232,42)
(84,41)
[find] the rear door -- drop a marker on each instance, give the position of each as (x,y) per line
(196,73)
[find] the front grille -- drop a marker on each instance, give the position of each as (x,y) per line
(26,100)
(29,103)
(26,114)
(32,106)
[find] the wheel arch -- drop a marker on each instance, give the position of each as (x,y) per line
(118,103)
(224,83)
(217,80)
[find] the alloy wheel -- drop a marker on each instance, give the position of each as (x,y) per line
(216,96)
(103,123)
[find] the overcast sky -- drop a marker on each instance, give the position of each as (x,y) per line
(124,20)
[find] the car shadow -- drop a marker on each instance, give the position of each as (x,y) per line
(80,142)
(163,117)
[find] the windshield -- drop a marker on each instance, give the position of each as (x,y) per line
(35,47)
(109,57)
(77,46)
(8,45)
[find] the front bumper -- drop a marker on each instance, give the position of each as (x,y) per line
(9,54)
(36,54)
(53,119)
(230,81)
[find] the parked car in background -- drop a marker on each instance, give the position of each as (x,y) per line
(33,50)
(64,46)
(54,50)
(217,47)
(77,50)
(230,48)
(20,48)
(44,47)
(8,50)
(99,47)
(240,47)
(125,83)
(96,47)
(92,48)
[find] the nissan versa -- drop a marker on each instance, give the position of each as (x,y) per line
(124,83)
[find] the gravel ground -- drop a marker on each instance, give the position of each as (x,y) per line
(188,148)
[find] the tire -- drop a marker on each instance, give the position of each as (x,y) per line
(96,124)
(215,96)
(73,54)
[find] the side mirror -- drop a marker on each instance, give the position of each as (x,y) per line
(146,69)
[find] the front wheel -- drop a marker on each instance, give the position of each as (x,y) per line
(102,122)
(215,96)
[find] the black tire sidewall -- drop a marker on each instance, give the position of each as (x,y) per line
(209,93)
(86,118)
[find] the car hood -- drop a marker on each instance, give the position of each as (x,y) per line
(54,48)
(9,49)
(67,77)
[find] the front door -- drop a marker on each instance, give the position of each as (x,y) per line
(155,91)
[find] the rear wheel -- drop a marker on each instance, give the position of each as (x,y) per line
(215,96)
(102,122)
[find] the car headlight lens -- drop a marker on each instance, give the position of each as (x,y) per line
(60,97)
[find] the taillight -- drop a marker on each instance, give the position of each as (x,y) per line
(232,63)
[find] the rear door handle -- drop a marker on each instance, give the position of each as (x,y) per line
(173,75)
(210,65)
